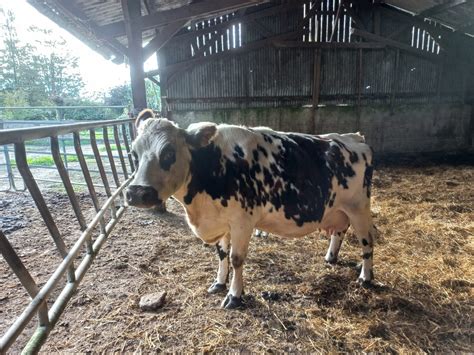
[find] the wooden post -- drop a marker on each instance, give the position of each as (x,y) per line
(316,85)
(132,17)
(395,78)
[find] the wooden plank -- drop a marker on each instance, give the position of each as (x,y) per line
(395,78)
(392,43)
(132,14)
(316,77)
(162,37)
(189,12)
(441,7)
(336,21)
(68,7)
(328,45)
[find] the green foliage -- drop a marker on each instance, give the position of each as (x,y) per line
(45,160)
(36,73)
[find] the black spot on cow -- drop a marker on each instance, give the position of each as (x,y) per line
(365,242)
(299,179)
(224,203)
(367,255)
(267,138)
(332,199)
(262,150)
(237,261)
(369,170)
(238,150)
(222,254)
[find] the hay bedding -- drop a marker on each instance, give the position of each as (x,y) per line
(294,302)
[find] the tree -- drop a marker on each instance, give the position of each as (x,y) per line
(37,73)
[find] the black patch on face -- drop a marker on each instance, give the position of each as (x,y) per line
(299,181)
(222,254)
(333,198)
(167,157)
(224,203)
(367,255)
(365,242)
(135,159)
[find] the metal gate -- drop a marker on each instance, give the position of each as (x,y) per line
(122,133)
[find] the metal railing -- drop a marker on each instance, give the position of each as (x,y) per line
(123,134)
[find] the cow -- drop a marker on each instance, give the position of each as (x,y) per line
(231,179)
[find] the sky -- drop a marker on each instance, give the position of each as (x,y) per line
(98,73)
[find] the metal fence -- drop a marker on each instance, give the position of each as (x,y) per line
(93,234)
(10,179)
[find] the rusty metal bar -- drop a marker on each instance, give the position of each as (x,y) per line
(127,148)
(120,153)
(19,135)
(67,182)
(111,157)
(100,166)
(87,177)
(22,164)
(60,303)
(23,275)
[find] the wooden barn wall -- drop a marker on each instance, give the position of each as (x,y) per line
(283,77)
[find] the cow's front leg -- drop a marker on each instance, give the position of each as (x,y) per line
(240,238)
(334,247)
(219,285)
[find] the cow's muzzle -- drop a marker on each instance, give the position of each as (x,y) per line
(142,196)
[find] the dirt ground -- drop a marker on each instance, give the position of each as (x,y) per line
(423,262)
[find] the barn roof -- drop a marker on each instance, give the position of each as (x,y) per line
(100,23)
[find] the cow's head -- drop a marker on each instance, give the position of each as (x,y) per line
(162,155)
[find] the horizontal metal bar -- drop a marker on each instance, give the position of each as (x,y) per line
(54,107)
(20,323)
(19,135)
(68,154)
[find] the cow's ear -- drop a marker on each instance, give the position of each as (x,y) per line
(201,134)
(143,116)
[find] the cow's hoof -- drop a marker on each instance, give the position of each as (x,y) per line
(365,283)
(331,262)
(216,288)
(232,302)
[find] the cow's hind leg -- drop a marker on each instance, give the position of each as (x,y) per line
(240,238)
(334,247)
(219,285)
(364,229)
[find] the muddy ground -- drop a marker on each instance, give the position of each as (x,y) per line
(423,299)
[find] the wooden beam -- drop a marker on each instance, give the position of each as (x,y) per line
(189,12)
(357,20)
(441,7)
(269,11)
(391,43)
(248,47)
(316,77)
(329,45)
(162,37)
(68,7)
(336,20)
(132,13)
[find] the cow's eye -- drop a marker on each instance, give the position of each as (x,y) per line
(167,158)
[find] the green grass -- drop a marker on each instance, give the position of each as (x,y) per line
(45,160)
(103,149)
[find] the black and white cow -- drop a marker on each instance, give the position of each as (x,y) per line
(232,179)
